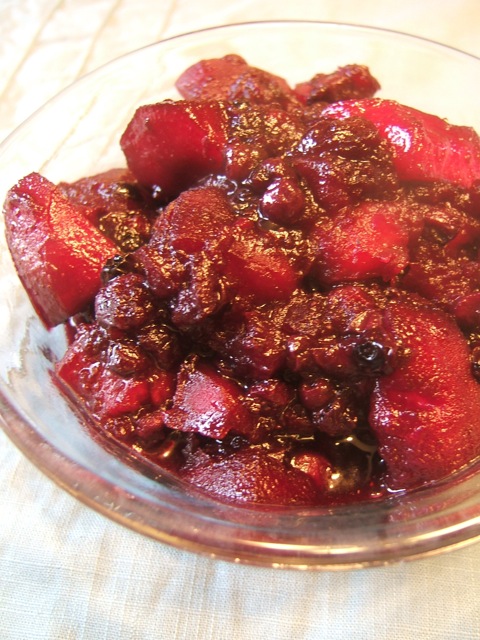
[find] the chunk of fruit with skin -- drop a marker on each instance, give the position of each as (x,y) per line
(105,394)
(111,190)
(426,414)
(116,205)
(230,78)
(256,134)
(202,294)
(162,387)
(252,477)
(363,242)
(345,162)
(348,306)
(164,273)
(424,147)
(180,234)
(57,252)
(316,466)
(252,342)
(257,269)
(351,81)
(171,145)
(177,258)
(193,219)
(117,395)
(442,279)
(207,402)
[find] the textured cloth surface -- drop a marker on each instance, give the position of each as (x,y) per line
(68,573)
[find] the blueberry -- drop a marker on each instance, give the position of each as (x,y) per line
(373,357)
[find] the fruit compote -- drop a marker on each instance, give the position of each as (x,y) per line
(278,299)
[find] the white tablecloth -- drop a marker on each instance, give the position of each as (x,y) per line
(68,573)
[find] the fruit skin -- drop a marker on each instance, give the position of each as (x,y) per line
(197,217)
(206,402)
(87,375)
(347,82)
(170,145)
(425,147)
(258,270)
(252,477)
(102,393)
(426,414)
(345,161)
(232,79)
(57,252)
(363,242)
(112,190)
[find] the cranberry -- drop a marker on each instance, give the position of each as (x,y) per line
(124,303)
(126,358)
(317,393)
(283,201)
(129,230)
(162,343)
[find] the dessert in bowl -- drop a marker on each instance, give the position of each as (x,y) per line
(271,346)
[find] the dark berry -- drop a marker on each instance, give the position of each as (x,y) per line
(124,303)
(126,358)
(162,343)
(128,229)
(373,357)
(283,201)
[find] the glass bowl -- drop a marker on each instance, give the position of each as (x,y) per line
(77,134)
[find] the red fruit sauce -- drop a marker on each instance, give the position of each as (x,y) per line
(281,298)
